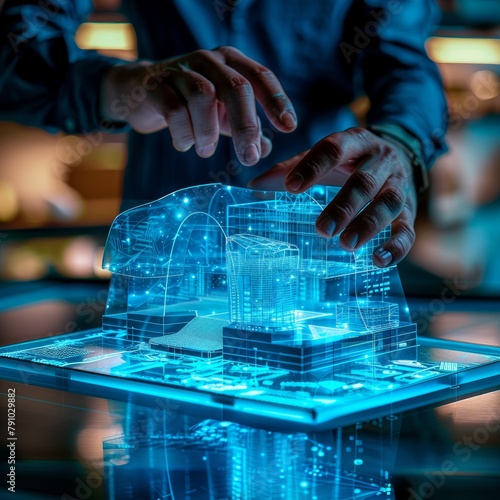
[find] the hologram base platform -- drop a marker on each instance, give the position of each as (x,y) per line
(109,366)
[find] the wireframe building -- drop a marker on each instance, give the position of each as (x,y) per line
(263,278)
(215,272)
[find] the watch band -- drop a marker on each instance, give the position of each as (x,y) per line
(411,146)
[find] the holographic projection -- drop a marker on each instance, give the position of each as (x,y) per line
(221,459)
(224,297)
(246,282)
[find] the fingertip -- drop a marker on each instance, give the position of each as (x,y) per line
(325,226)
(322,232)
(289,120)
(294,181)
(207,151)
(349,240)
(266,146)
(251,155)
(183,148)
(282,113)
(382,257)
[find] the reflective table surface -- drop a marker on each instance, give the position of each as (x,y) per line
(76,446)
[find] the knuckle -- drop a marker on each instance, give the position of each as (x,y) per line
(400,174)
(262,73)
(399,249)
(210,134)
(401,245)
(239,85)
(410,206)
(365,182)
(313,169)
(343,212)
(183,135)
(370,224)
(174,109)
(204,56)
(393,199)
(358,133)
(388,153)
(333,147)
(226,50)
(407,232)
(202,88)
(247,129)
(204,53)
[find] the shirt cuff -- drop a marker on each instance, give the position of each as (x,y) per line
(411,146)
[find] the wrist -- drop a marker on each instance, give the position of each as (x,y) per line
(117,83)
(410,146)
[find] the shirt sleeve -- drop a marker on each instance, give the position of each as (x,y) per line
(46,80)
(403,84)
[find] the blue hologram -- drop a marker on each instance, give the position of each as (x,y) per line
(222,459)
(228,296)
(291,299)
(263,277)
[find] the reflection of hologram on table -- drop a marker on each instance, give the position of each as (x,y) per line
(221,459)
(263,276)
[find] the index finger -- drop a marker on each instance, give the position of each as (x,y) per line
(267,88)
(349,147)
(235,92)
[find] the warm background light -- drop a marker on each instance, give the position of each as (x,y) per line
(464,50)
(485,84)
(106,36)
(10,203)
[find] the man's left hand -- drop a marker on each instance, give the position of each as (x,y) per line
(378,190)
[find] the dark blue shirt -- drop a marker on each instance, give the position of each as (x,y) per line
(325,53)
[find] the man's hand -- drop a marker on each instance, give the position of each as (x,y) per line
(199,96)
(378,189)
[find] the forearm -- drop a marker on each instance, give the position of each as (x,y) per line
(413,99)
(47,81)
(125,86)
(403,84)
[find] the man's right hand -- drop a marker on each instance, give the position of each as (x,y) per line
(199,96)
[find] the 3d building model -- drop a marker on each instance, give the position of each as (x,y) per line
(221,272)
(225,298)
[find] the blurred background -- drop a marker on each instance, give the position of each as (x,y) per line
(59,194)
